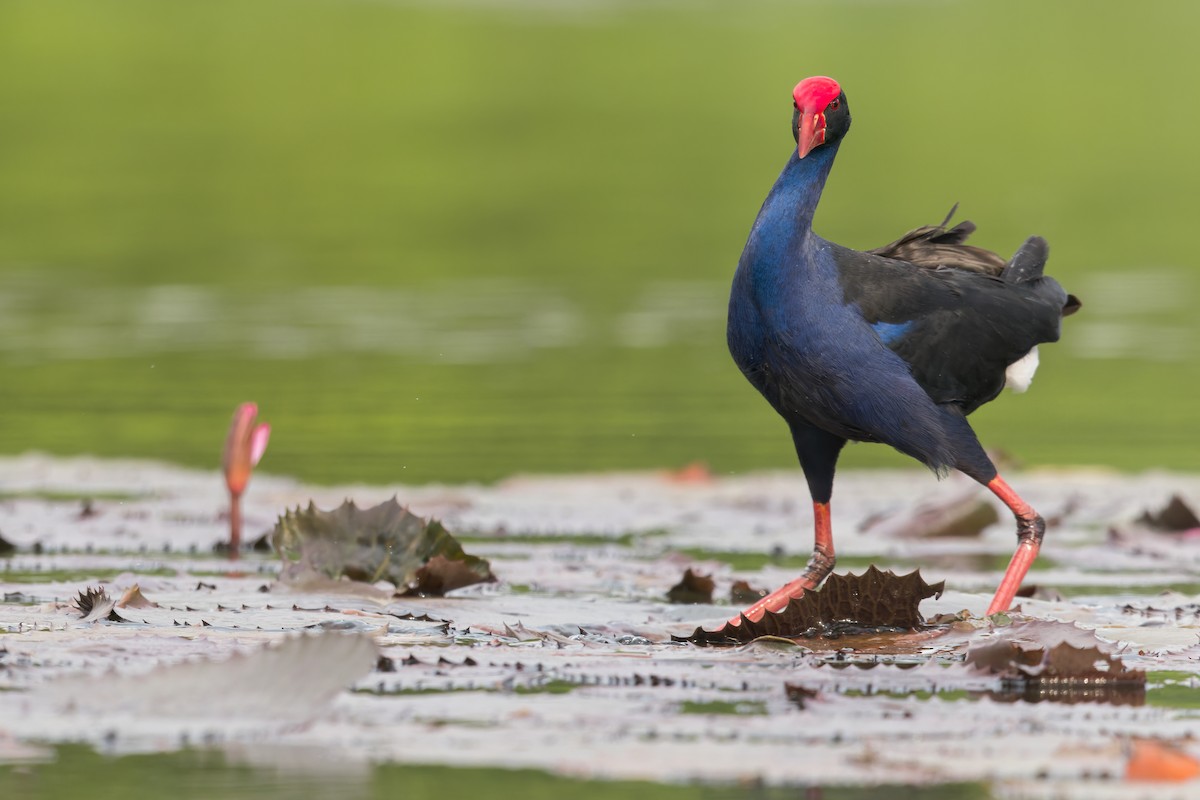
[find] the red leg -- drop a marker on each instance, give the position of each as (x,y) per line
(818,569)
(1030,530)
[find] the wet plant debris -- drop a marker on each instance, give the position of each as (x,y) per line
(873,601)
(1176,516)
(1044,661)
(384,542)
(692,588)
(95,604)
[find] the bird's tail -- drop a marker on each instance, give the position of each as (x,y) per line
(1028,262)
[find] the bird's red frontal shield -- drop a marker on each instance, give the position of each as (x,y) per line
(812,96)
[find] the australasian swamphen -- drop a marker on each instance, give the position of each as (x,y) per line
(895,345)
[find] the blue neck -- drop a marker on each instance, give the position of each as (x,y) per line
(787,213)
(798,190)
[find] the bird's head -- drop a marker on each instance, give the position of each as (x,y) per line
(822,115)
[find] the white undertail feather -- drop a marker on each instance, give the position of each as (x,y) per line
(1020,373)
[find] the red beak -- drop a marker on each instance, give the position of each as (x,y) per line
(812,132)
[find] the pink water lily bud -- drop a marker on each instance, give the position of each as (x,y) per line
(244,447)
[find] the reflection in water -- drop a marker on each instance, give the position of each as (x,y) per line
(474,322)
(467,322)
(455,322)
(1143,318)
(479,379)
(1070,690)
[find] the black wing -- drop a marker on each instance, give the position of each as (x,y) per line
(958,327)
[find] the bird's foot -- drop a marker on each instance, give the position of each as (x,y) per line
(775,601)
(817,570)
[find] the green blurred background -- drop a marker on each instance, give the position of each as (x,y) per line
(454,241)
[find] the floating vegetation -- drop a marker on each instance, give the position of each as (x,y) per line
(845,603)
(384,542)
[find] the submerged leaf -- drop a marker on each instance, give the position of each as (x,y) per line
(692,588)
(875,600)
(385,542)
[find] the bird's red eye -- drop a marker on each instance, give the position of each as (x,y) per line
(834,105)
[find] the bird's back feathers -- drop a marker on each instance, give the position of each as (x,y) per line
(935,246)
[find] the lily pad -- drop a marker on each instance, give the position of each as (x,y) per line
(384,542)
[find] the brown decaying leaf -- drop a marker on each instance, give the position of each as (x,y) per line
(384,542)
(133,598)
(871,601)
(693,588)
(7,548)
(1034,591)
(742,593)
(799,695)
(95,604)
(441,575)
(1054,661)
(89,598)
(1174,517)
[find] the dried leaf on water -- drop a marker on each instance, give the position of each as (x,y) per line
(1058,662)
(7,548)
(95,604)
(873,601)
(741,593)
(1174,517)
(90,598)
(385,542)
(133,598)
(692,588)
(441,574)
(799,695)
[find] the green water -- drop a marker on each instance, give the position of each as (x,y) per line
(78,771)
(457,241)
